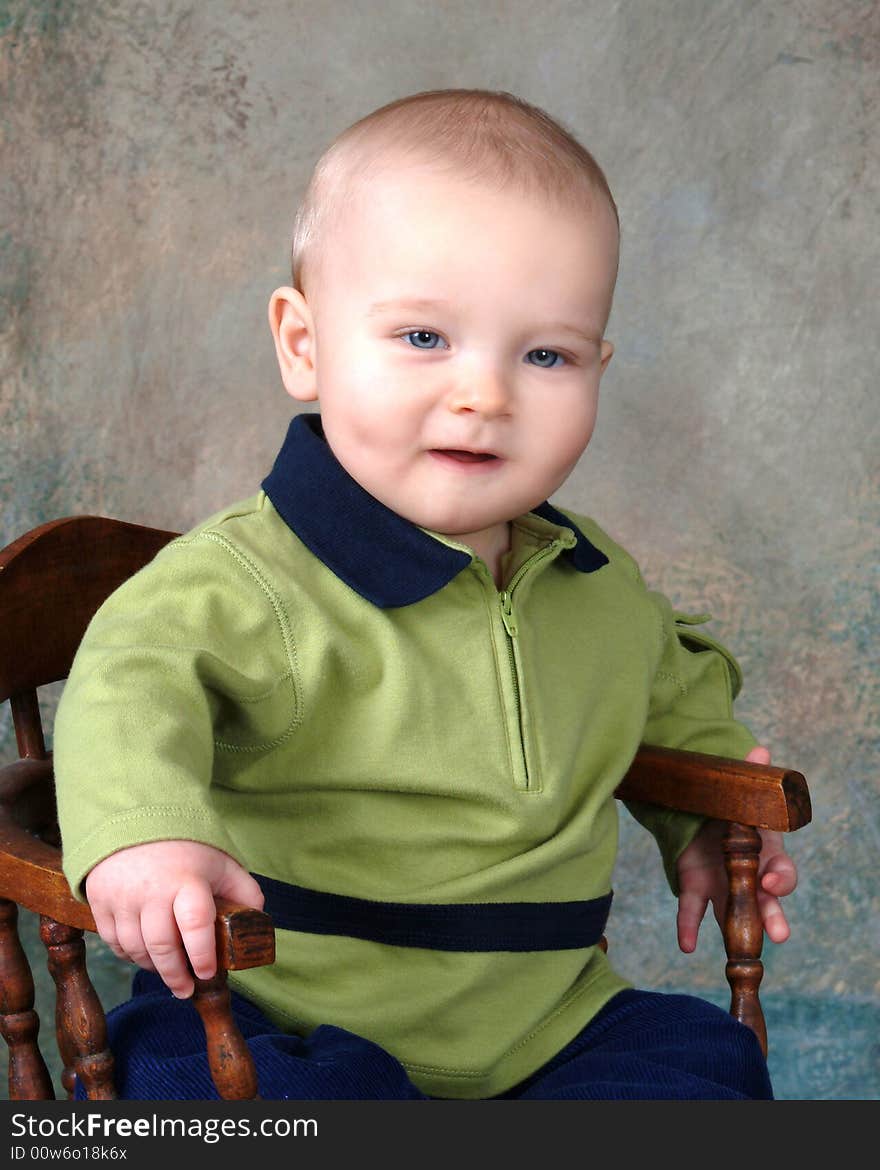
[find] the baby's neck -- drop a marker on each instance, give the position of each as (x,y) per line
(491,546)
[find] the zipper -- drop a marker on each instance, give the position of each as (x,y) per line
(509,623)
(508,620)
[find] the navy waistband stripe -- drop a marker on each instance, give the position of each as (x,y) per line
(448,926)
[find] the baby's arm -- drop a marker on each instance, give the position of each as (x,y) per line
(702,878)
(154,904)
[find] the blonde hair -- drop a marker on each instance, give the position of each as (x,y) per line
(485,135)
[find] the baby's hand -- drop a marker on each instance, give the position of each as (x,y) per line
(154,904)
(702,878)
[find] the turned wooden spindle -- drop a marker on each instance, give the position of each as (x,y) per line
(28,725)
(67,1053)
(229,1058)
(79,1017)
(29,1078)
(743,929)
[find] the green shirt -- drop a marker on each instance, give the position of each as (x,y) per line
(322,718)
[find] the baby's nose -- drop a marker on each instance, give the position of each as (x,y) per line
(485,390)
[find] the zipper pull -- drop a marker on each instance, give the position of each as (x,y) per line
(507,613)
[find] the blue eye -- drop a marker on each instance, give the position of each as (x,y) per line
(423,338)
(546,359)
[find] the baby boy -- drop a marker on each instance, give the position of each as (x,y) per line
(391,695)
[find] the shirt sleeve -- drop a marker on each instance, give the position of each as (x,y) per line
(691,708)
(186,659)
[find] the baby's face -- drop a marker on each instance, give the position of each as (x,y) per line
(457,346)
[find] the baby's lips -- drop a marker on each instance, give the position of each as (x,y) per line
(466,456)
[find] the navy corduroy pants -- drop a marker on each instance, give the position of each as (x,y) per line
(641,1046)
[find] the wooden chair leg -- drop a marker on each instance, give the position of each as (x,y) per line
(79,1020)
(229,1058)
(743,929)
(29,1078)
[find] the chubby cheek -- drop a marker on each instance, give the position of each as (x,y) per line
(356,378)
(367,437)
(565,431)
(367,423)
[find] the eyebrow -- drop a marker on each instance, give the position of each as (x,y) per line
(564,327)
(413,304)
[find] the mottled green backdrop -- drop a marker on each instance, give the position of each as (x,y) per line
(152,156)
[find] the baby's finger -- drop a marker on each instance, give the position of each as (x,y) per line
(773,917)
(759,755)
(780,876)
(691,911)
(162,940)
(131,940)
(195,913)
(239,886)
(106,925)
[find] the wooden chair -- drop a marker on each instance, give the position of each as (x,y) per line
(52,580)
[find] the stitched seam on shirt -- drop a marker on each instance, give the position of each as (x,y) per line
(141,814)
(290,650)
(673,678)
(676,679)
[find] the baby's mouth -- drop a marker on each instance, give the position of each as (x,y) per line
(466,456)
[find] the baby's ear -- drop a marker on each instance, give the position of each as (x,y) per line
(292,325)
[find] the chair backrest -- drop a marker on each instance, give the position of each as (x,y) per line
(51,582)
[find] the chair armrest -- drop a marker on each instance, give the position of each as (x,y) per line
(31,875)
(758,795)
(749,797)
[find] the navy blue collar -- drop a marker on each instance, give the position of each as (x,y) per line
(386,559)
